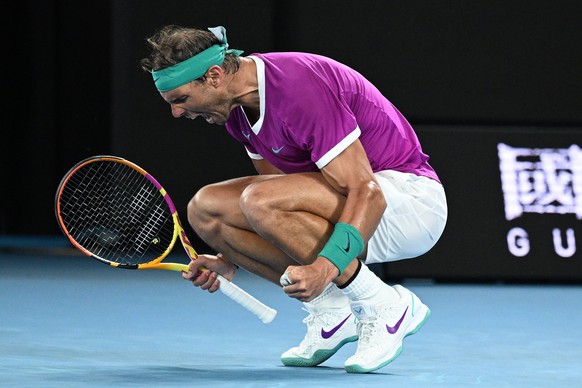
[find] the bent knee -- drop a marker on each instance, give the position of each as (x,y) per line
(195,211)
(256,202)
(203,206)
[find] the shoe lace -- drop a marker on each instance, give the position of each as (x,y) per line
(324,318)
(366,330)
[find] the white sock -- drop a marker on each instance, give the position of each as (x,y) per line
(330,298)
(369,287)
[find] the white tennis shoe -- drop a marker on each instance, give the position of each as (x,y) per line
(381,330)
(327,332)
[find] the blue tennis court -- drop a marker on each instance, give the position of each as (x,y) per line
(69,321)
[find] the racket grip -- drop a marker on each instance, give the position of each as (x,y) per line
(262,311)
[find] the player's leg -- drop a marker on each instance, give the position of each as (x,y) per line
(298,222)
(297,213)
(411,225)
(294,212)
(215,215)
(281,210)
(266,223)
(293,222)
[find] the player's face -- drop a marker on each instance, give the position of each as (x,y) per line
(198,99)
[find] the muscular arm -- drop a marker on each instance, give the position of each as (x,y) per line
(351,175)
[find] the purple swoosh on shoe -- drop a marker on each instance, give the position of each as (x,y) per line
(395,328)
(328,334)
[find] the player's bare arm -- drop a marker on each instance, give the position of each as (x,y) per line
(349,174)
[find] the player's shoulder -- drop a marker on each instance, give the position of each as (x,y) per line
(293,57)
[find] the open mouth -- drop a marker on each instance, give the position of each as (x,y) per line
(206,117)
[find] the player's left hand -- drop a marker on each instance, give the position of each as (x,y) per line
(306,282)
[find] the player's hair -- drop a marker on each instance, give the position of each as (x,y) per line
(173,44)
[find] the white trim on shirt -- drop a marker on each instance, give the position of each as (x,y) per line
(339,148)
(254,156)
(261,81)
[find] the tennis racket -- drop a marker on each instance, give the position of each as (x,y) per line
(114,211)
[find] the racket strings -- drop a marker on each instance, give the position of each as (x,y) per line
(116,213)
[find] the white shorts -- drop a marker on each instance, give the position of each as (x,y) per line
(413,221)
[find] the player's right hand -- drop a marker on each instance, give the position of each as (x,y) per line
(203,270)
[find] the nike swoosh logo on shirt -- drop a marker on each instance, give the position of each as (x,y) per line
(328,334)
(277,150)
(247,135)
(394,329)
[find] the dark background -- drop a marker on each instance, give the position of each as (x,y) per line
(468,75)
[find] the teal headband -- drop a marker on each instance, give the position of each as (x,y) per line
(194,67)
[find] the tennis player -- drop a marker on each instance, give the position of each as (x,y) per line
(343,183)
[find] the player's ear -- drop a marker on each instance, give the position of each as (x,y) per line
(215,75)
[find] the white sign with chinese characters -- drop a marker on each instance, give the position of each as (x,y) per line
(541,180)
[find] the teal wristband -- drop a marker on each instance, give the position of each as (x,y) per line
(344,245)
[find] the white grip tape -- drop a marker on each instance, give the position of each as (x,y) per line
(264,312)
